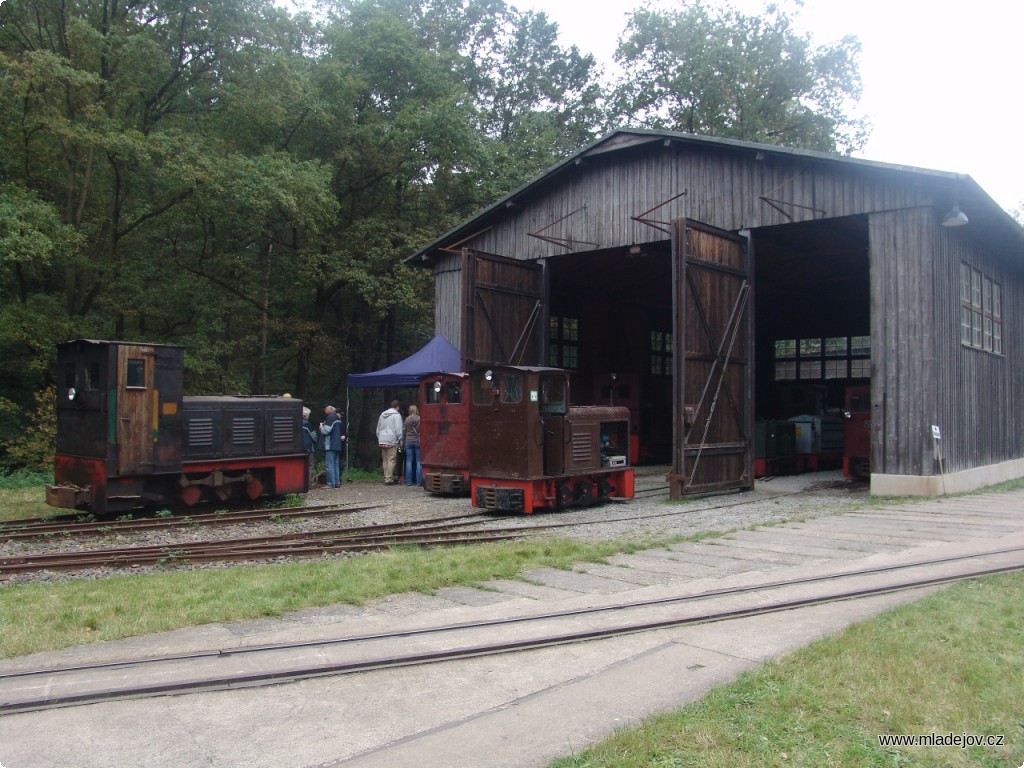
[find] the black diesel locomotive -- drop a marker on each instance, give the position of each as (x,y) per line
(128,437)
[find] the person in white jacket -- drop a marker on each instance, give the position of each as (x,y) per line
(389,437)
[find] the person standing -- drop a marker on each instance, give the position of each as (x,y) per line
(333,430)
(413,470)
(389,435)
(309,444)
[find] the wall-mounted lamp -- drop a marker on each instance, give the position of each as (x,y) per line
(955,217)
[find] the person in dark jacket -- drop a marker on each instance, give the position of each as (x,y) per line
(333,430)
(308,443)
(411,440)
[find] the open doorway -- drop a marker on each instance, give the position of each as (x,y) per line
(812,342)
(610,323)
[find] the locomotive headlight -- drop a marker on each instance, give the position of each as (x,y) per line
(489,375)
(71,393)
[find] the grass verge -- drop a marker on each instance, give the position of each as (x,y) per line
(38,617)
(949,665)
(23,495)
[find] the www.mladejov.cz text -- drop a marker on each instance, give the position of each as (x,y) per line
(962,740)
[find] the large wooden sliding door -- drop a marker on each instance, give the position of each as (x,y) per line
(713,361)
(503,320)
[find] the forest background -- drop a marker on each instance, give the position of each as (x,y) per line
(245,181)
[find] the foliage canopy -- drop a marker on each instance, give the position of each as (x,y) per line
(246,182)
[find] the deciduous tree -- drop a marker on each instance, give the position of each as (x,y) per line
(723,73)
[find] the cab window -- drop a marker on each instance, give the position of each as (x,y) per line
(511,388)
(504,388)
(135,375)
(552,394)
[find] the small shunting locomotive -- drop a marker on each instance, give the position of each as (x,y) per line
(444,433)
(128,437)
(530,450)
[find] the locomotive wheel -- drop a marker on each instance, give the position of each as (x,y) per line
(253,487)
(584,493)
(190,495)
(563,496)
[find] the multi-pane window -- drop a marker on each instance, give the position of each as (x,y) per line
(785,359)
(981,311)
(836,357)
(564,342)
(810,359)
(860,357)
(832,357)
(661,353)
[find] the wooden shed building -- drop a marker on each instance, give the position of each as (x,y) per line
(713,284)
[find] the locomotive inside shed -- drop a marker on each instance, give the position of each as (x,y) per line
(611,315)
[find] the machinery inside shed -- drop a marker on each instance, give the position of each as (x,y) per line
(611,323)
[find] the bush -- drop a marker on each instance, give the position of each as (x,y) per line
(25,479)
(33,448)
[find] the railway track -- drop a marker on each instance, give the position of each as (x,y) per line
(443,531)
(55,687)
(452,530)
(40,528)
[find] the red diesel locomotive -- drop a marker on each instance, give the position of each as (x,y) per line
(530,450)
(444,433)
(128,437)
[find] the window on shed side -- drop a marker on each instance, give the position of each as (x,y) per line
(981,314)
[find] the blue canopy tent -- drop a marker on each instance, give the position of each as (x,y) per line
(436,356)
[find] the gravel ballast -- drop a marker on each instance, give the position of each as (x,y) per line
(649,516)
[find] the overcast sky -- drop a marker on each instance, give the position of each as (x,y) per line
(941,78)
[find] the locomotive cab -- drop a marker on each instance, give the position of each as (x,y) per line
(530,449)
(118,421)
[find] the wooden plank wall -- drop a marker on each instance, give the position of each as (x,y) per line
(921,374)
(904,391)
(594,206)
(981,395)
(448,297)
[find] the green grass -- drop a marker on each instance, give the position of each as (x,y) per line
(950,663)
(37,617)
(23,495)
